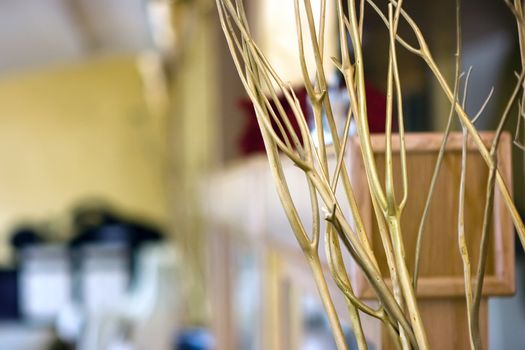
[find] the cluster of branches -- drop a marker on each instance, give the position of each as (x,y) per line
(398,308)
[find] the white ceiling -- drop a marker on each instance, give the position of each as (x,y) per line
(39,33)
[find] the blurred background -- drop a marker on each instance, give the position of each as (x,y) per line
(128,151)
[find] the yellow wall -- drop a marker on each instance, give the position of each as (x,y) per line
(79,131)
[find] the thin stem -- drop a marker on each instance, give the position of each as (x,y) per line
(316,220)
(348,71)
(393,209)
(362,119)
(376,281)
(387,246)
(361,18)
(398,38)
(338,271)
(462,242)
(521,115)
(389,176)
(405,282)
(333,318)
(483,106)
(487,214)
(424,53)
(314,96)
(439,161)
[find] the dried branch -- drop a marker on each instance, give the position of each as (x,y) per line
(521,115)
(487,214)
(310,153)
(425,54)
(483,106)
(462,242)
(439,161)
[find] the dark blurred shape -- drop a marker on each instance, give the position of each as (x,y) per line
(101,224)
(95,222)
(195,339)
(415,105)
(9,306)
(25,236)
(59,344)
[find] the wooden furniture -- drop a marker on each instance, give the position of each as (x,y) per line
(245,206)
(441,283)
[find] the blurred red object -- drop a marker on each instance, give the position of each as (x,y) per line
(251,140)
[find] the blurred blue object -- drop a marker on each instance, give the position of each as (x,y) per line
(9,307)
(195,339)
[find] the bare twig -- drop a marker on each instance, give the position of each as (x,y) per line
(439,161)
(462,242)
(425,54)
(521,115)
(483,106)
(264,86)
(487,214)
